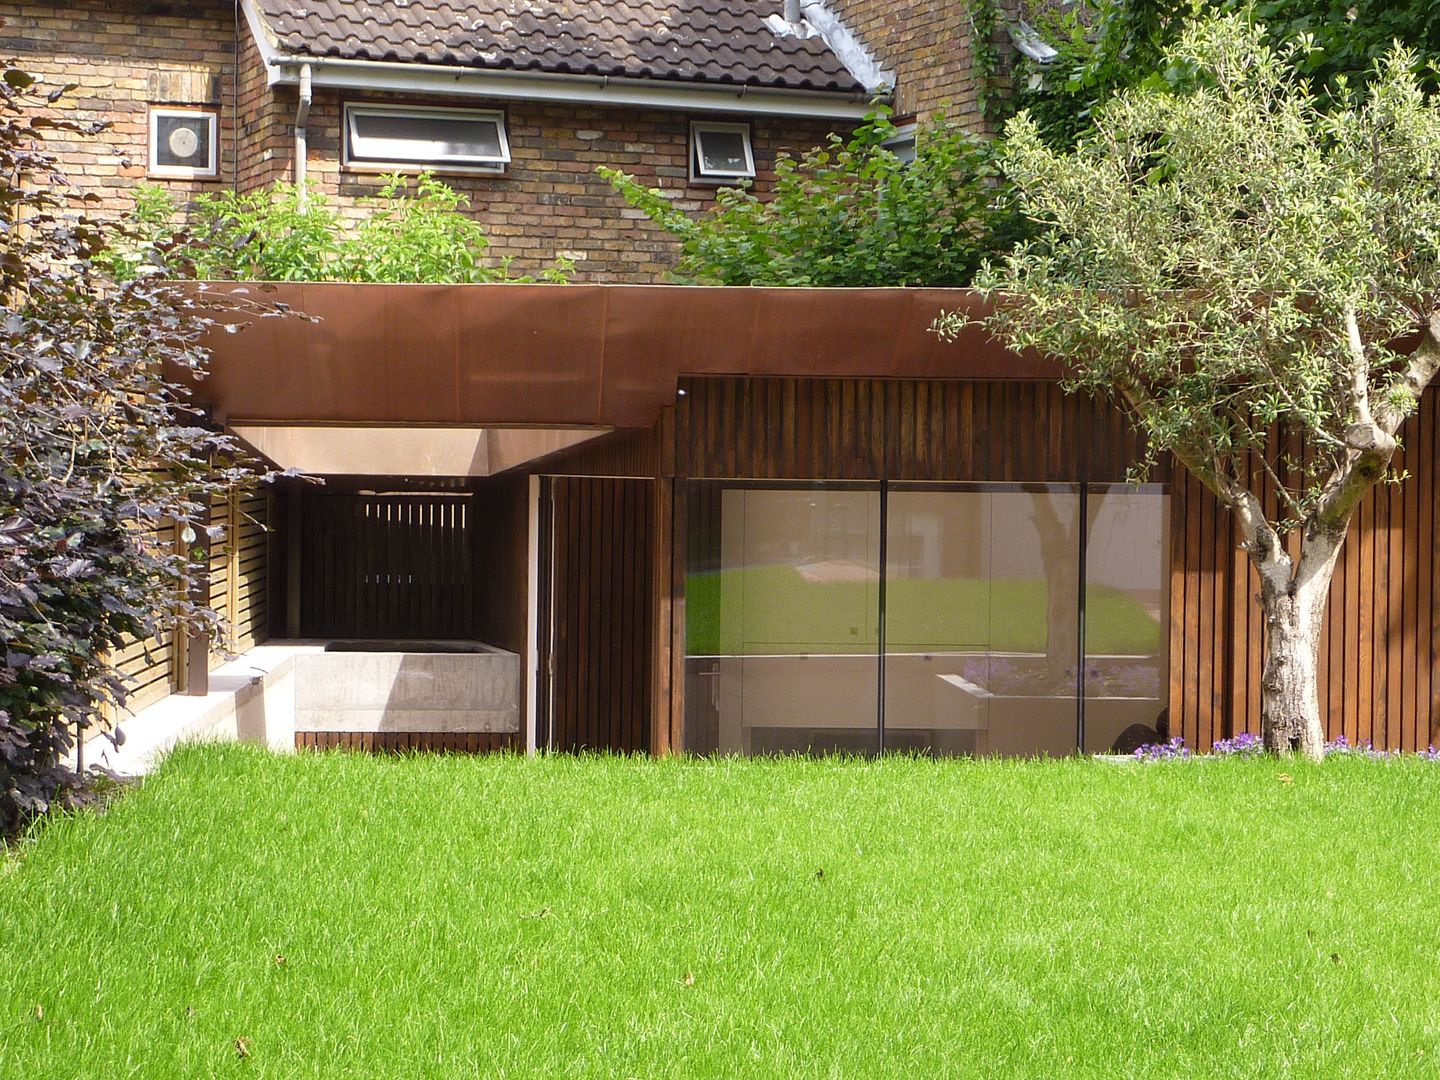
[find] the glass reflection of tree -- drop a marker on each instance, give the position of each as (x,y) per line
(1060,537)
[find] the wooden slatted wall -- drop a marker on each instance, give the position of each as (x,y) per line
(151,668)
(378,566)
(853,429)
(1382,641)
(239,571)
(1379,651)
(249,569)
(601,617)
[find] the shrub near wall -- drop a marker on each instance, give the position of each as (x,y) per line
(274,235)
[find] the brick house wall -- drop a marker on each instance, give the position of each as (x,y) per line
(126,56)
(129,55)
(551,201)
(926,45)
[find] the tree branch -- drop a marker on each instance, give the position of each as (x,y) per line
(1424,363)
(1262,542)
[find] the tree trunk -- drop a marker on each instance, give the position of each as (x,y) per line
(1294,608)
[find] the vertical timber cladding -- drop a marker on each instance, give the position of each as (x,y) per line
(386,565)
(1016,431)
(1381,639)
(864,429)
(601,617)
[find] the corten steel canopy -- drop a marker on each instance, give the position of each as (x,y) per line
(605,356)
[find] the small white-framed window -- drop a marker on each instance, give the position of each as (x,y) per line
(902,143)
(412,137)
(720,153)
(184,143)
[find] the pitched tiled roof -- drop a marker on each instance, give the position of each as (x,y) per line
(708,41)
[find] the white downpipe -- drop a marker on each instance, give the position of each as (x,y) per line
(302,140)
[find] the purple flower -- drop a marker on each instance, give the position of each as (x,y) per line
(1364,749)
(1174,748)
(1245,744)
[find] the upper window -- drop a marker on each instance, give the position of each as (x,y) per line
(720,152)
(184,143)
(468,140)
(902,143)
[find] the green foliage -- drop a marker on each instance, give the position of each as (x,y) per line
(1232,264)
(850,213)
(1104,46)
(1343,40)
(1109,45)
(267,235)
(424,237)
(984,17)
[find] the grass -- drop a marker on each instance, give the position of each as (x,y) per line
(785,612)
(356,917)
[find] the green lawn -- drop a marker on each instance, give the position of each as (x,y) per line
(784,918)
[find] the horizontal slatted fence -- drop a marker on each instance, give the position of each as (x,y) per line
(151,668)
(239,571)
(249,569)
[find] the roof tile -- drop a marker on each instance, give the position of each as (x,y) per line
(722,41)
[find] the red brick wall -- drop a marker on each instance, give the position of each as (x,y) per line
(126,56)
(925,44)
(549,202)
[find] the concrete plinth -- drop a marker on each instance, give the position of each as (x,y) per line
(408,692)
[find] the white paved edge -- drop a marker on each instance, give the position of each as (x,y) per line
(158,728)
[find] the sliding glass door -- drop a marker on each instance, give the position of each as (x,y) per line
(1127,615)
(782,619)
(982,612)
(1001,619)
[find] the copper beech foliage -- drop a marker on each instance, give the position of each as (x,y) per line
(99,448)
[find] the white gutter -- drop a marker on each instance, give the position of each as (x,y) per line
(285,69)
(302,138)
(571,89)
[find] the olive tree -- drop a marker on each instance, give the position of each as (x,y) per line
(1247,275)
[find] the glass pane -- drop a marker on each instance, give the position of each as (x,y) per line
(1126,618)
(183,141)
(781,614)
(722,153)
(405,137)
(903,148)
(982,617)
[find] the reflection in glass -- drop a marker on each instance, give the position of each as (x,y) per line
(982,620)
(782,612)
(1125,617)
